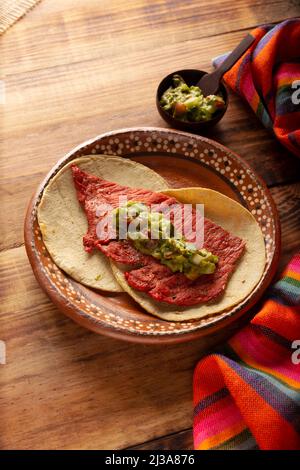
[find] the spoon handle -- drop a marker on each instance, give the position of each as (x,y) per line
(210,82)
(235,55)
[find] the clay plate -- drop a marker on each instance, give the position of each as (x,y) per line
(183,160)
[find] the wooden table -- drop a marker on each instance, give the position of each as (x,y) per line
(64,65)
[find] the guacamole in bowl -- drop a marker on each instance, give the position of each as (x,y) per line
(187,103)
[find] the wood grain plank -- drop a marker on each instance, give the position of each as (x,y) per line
(182,440)
(63,68)
(64,65)
(287,199)
(119,26)
(65,387)
(82,100)
(79,390)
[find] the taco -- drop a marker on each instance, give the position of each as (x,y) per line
(176,280)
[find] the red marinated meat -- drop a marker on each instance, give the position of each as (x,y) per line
(147,274)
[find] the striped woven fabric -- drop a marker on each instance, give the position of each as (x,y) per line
(266,77)
(248,396)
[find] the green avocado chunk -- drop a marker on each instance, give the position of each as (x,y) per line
(152,234)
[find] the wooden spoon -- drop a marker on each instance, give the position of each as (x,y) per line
(210,82)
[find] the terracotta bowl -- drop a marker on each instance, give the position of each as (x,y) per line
(191,77)
(183,160)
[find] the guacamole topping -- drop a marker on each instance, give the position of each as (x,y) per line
(187,103)
(152,234)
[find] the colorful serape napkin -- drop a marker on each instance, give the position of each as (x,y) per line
(268,77)
(248,396)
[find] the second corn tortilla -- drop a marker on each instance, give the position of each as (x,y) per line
(63,222)
(233,217)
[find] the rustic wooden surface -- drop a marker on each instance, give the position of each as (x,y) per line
(64,65)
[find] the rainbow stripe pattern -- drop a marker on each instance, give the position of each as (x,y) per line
(248,395)
(266,77)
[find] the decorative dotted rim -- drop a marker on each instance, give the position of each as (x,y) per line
(132,142)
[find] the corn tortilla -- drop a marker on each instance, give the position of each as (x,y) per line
(63,222)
